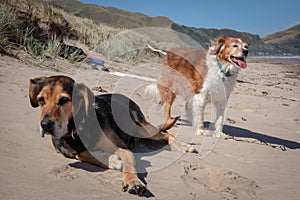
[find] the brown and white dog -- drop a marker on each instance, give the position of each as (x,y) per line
(200,77)
(100,130)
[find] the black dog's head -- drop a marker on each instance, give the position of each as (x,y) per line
(59,98)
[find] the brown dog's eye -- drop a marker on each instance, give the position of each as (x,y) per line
(62,101)
(41,101)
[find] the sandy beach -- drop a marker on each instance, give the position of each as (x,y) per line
(260,160)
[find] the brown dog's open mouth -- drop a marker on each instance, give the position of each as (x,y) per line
(241,62)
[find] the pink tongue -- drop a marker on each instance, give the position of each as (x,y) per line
(241,63)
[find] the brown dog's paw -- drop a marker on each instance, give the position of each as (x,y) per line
(134,186)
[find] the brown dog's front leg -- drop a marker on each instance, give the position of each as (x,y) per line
(131,182)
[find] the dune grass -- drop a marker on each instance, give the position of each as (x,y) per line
(38,28)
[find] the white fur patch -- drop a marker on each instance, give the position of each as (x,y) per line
(152,91)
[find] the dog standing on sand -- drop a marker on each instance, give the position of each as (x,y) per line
(200,77)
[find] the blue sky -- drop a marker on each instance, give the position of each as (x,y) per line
(261,17)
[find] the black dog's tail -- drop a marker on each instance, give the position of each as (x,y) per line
(168,124)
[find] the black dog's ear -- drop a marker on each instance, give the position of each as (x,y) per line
(82,99)
(217,45)
(35,86)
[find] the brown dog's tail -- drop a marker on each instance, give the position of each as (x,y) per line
(168,124)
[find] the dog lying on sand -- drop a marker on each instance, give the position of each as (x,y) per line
(83,125)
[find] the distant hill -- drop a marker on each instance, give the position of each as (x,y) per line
(288,40)
(111,16)
(282,43)
(291,34)
(204,36)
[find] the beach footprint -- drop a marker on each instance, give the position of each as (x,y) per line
(227,183)
(65,172)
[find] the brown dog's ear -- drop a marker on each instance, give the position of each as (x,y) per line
(82,99)
(217,45)
(35,86)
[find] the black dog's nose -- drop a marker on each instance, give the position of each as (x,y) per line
(47,125)
(245,52)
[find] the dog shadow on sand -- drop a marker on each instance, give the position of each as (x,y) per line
(240,134)
(245,135)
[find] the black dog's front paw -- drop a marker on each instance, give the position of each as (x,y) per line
(134,187)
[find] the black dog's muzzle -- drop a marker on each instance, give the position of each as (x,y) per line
(47,126)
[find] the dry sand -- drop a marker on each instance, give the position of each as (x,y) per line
(261,161)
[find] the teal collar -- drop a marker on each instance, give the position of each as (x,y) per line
(222,70)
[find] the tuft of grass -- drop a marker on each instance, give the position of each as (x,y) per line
(53,45)
(7,27)
(68,53)
(55,48)
(34,47)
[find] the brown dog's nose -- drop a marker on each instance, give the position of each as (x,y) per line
(47,125)
(245,52)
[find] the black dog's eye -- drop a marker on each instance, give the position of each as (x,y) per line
(235,46)
(41,101)
(62,101)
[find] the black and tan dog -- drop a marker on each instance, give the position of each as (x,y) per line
(90,128)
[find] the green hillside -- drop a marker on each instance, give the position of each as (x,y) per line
(111,16)
(281,37)
(281,43)
(288,39)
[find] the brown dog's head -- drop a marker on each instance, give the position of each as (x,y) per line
(54,95)
(230,51)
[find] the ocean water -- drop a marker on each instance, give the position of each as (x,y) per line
(296,58)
